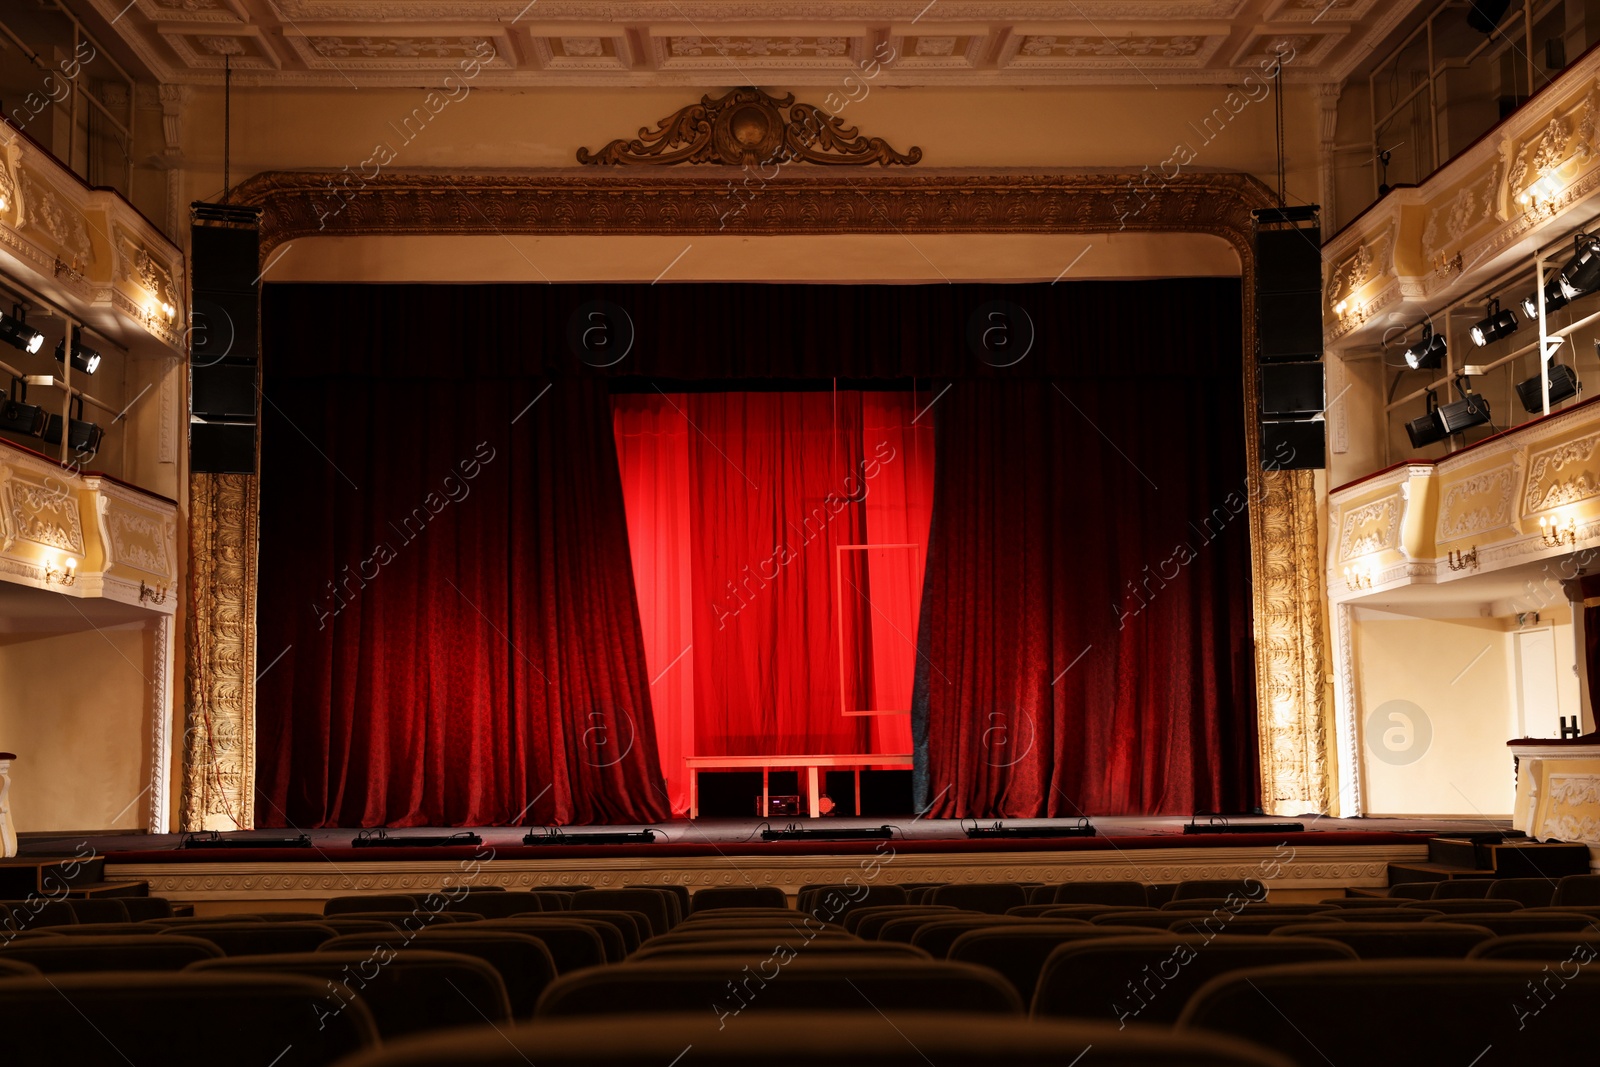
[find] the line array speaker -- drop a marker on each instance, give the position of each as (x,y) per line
(225,346)
(1291,388)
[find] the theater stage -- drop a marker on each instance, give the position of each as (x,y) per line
(1329,855)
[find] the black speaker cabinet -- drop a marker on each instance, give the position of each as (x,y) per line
(1289,260)
(225,392)
(225,259)
(1292,390)
(1294,446)
(222,448)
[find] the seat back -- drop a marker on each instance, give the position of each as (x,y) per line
(1461,889)
(739,896)
(1122,894)
(1525,922)
(1462,905)
(1484,1012)
(905,927)
(1148,978)
(633,926)
(282,1019)
(571,950)
(100,930)
(504,905)
(866,922)
(1018,950)
(142,908)
(37,913)
(259,938)
(836,903)
(806,983)
(1223,888)
(1240,925)
(1409,914)
(523,962)
(369,902)
(992,897)
(764,948)
(1579,889)
(406,993)
(100,910)
(1412,891)
(1376,941)
(651,903)
(124,952)
(809,1039)
(10,968)
(936,937)
(1574,949)
(1150,918)
(1529,892)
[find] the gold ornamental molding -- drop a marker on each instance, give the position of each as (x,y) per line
(219,752)
(1288,603)
(748,128)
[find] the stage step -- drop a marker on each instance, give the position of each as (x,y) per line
(1400,873)
(48,875)
(96,890)
(1534,860)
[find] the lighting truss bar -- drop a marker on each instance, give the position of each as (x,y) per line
(796,833)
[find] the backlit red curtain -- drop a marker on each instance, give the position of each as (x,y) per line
(1083,652)
(738,504)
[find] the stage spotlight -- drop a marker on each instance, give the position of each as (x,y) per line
(212,839)
(1485,15)
(1582,272)
(1495,325)
(1426,430)
(19,333)
(1564,385)
(1554,300)
(84,359)
(796,833)
(19,416)
(554,835)
(1428,352)
(380,838)
(1471,410)
(1081,828)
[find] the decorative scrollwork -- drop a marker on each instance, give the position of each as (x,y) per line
(746,127)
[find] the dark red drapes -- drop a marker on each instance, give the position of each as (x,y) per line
(447,628)
(1086,609)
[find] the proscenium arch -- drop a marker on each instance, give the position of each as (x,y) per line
(1289,616)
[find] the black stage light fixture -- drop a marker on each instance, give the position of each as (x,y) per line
(15,330)
(380,839)
(1564,385)
(1495,325)
(212,839)
(1222,827)
(554,835)
(1079,829)
(1428,352)
(1582,272)
(1554,300)
(1471,410)
(1425,430)
(796,833)
(19,416)
(83,437)
(84,359)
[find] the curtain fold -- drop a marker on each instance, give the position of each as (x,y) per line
(447,595)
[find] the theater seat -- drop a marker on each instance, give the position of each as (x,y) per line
(524,963)
(739,897)
(1241,925)
(1223,888)
(1461,889)
(1408,914)
(106,930)
(504,905)
(127,952)
(993,898)
(182,1019)
(650,903)
(1149,977)
(767,947)
(806,983)
(1524,922)
(1412,891)
(37,914)
(1581,949)
(807,1039)
(706,914)
(369,902)
(865,922)
(259,938)
(100,910)
(1462,905)
(1580,889)
(411,993)
(1018,950)
(633,926)
(141,908)
(16,968)
(1529,892)
(1128,894)
(905,927)
(835,903)
(936,937)
(1478,1012)
(1149,918)
(573,943)
(1374,941)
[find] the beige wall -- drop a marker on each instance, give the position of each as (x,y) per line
(75,714)
(1457,672)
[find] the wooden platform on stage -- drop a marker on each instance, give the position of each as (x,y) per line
(1330,855)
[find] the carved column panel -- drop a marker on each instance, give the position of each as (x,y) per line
(219,734)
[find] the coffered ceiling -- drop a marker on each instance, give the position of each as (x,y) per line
(696,42)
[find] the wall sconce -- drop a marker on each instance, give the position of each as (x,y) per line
(152,594)
(66,575)
(1358,577)
(1460,561)
(1558,532)
(1541,192)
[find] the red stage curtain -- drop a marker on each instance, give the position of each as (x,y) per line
(1086,646)
(737,503)
(448,632)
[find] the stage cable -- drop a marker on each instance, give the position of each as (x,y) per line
(1278,110)
(227,122)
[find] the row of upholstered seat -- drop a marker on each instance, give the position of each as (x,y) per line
(51,911)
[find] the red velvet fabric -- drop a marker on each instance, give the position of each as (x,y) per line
(1086,613)
(447,628)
